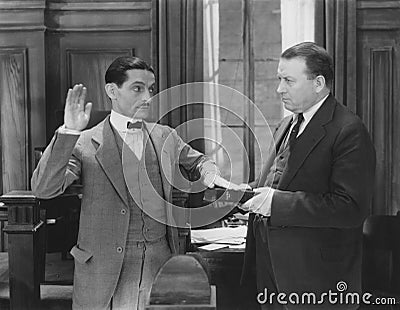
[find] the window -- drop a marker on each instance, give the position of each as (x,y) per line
(243,40)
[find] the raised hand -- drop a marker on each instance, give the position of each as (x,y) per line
(76,112)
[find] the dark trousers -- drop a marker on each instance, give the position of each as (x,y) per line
(264,272)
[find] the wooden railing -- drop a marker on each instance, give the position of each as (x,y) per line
(26,244)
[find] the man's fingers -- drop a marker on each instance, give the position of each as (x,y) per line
(262,189)
(82,96)
(244,187)
(88,108)
(72,98)
(75,94)
(245,206)
(234,187)
(69,95)
(209,179)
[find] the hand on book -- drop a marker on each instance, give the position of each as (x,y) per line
(260,203)
(212,180)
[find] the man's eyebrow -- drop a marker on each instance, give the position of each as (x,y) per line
(284,76)
(137,82)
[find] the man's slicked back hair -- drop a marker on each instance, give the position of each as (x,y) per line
(317,59)
(116,72)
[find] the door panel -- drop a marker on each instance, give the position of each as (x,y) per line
(378,33)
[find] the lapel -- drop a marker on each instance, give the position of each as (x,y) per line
(109,158)
(159,139)
(278,139)
(308,140)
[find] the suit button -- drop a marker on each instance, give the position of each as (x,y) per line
(123,211)
(119,249)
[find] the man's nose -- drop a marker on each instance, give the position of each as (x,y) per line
(280,88)
(146,95)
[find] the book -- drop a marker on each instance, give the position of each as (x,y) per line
(228,195)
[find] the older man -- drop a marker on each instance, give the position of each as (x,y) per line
(305,228)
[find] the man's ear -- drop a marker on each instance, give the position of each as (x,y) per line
(111,90)
(319,83)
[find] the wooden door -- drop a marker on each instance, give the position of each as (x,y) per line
(378,54)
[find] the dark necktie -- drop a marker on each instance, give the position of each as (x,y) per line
(136,125)
(295,129)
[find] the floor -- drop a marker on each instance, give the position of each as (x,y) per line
(56,294)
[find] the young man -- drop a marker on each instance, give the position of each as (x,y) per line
(123,171)
(305,229)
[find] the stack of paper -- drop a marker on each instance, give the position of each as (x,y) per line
(225,235)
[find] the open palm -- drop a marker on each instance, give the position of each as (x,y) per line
(77,113)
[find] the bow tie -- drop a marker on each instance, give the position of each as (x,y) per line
(136,125)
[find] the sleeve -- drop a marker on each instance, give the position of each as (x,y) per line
(196,164)
(347,202)
(59,166)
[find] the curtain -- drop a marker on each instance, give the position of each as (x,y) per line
(297,21)
(335,29)
(179,57)
(297,24)
(212,127)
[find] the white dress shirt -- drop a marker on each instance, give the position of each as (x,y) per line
(132,137)
(261,203)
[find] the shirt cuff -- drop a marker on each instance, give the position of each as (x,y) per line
(265,206)
(68,131)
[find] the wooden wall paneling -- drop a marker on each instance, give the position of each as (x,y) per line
(378,90)
(89,16)
(395,202)
(89,67)
(380,107)
(82,39)
(54,99)
(14,119)
(22,48)
(21,15)
(378,15)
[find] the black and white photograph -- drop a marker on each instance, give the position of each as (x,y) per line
(199,154)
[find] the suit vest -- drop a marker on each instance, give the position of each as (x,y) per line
(145,193)
(279,164)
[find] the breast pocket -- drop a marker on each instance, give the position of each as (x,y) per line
(80,255)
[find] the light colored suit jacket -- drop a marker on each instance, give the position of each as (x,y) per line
(93,157)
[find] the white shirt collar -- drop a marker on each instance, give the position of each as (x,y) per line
(120,122)
(308,114)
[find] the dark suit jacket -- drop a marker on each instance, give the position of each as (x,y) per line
(321,201)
